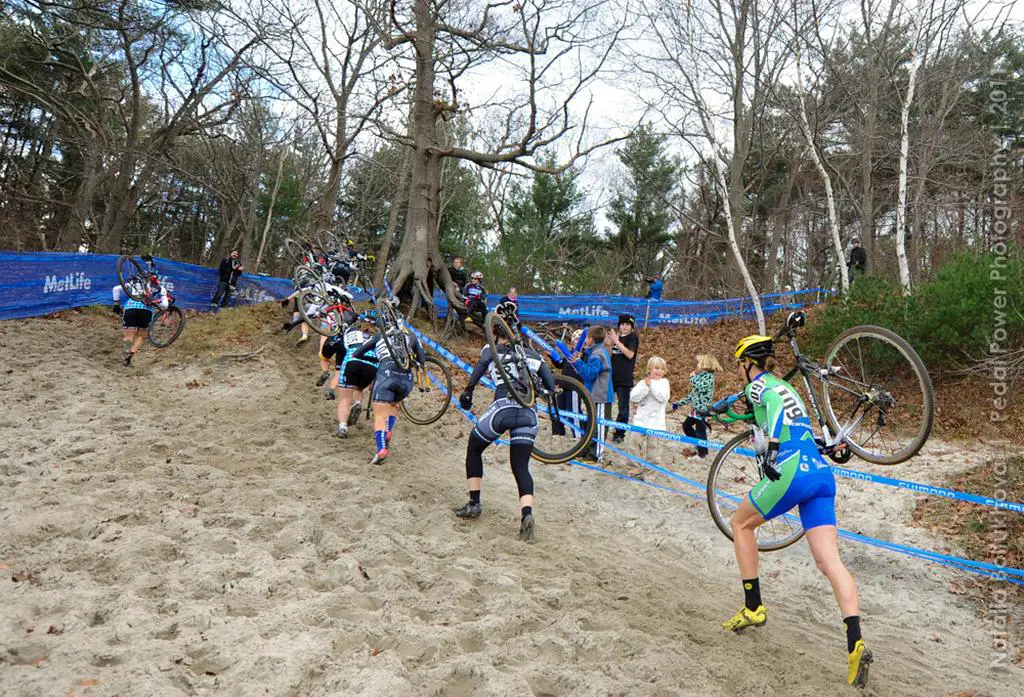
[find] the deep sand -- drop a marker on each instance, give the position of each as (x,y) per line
(190,527)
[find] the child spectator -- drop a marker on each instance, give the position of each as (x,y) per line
(594,364)
(651,396)
(702,381)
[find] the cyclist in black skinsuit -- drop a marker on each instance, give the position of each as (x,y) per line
(504,414)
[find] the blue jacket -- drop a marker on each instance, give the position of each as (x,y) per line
(654,293)
(595,368)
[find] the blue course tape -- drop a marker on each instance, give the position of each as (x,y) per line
(994,571)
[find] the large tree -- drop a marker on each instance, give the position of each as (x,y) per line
(549,51)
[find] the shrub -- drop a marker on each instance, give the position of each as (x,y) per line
(948,320)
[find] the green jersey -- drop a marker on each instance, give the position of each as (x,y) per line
(779,410)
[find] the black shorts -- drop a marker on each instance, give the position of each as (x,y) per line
(136,318)
(506,414)
(391,387)
(357,375)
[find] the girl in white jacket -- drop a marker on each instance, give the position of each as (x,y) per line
(651,395)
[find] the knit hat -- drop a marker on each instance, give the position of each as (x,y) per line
(627,319)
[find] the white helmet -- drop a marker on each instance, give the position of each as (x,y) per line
(477,276)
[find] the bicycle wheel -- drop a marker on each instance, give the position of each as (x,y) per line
(166,326)
(391,330)
(566,422)
(305,275)
(511,363)
(132,277)
(320,313)
(878,395)
(296,251)
(431,393)
(733,474)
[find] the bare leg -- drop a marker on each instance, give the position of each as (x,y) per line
(824,543)
(744,542)
(344,403)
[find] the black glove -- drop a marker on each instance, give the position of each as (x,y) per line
(117,309)
(466,400)
(770,463)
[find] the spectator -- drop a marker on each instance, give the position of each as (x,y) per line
(594,365)
(458,273)
(858,259)
(654,290)
(651,395)
(702,381)
(511,297)
(625,344)
(230,269)
(567,401)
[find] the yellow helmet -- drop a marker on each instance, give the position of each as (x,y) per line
(755,347)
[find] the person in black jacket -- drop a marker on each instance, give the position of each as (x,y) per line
(458,273)
(858,259)
(230,269)
(625,345)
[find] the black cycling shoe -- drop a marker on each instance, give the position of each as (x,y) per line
(324,377)
(353,416)
(470,510)
(331,395)
(526,528)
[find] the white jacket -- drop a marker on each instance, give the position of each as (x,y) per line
(652,403)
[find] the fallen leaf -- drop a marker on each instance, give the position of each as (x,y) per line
(89,682)
(39,662)
(55,629)
(376,652)
(30,630)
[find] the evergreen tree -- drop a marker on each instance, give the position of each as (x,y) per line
(640,209)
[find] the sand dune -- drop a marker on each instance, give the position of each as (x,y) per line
(189,527)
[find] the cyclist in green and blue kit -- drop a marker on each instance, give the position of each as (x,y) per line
(795,476)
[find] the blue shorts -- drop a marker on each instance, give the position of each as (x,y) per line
(391,387)
(806,482)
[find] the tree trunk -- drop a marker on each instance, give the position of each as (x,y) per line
(741,265)
(901,205)
(270,210)
(419,257)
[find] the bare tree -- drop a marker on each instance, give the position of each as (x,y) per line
(710,68)
(550,52)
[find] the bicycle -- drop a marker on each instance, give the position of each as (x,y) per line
(850,400)
(142,284)
(569,410)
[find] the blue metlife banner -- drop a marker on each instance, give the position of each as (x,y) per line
(40,283)
(605,309)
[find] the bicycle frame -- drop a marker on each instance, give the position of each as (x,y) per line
(806,367)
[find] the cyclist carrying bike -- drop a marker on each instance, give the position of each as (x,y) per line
(355,374)
(504,414)
(795,476)
(393,384)
(137,315)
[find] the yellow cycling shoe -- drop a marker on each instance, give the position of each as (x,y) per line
(857,664)
(746,618)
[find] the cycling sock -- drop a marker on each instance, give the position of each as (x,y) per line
(527,510)
(381,439)
(752,593)
(474,496)
(391,423)
(852,631)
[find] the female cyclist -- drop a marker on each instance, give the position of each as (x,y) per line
(393,384)
(135,318)
(504,414)
(795,475)
(355,374)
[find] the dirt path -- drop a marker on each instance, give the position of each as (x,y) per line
(188,527)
